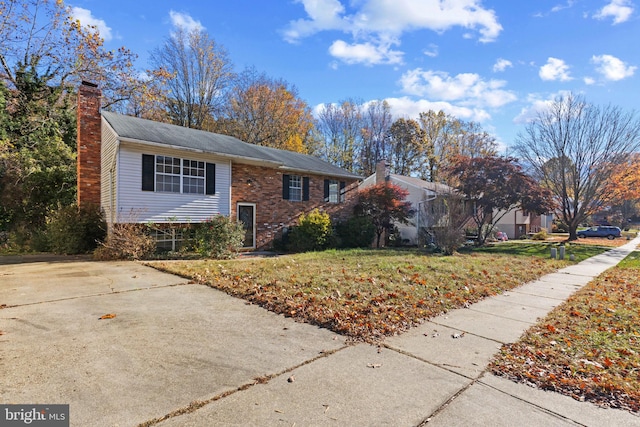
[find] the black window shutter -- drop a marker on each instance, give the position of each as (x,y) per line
(342,187)
(305,188)
(148,167)
(285,187)
(326,190)
(210,174)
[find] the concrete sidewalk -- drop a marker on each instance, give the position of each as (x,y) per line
(182,354)
(425,376)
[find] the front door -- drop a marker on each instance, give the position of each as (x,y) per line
(247,216)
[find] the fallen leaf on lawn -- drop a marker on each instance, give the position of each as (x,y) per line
(107,316)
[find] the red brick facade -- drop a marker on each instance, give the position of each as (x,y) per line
(263,186)
(89,140)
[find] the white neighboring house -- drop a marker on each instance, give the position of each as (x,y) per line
(420,192)
(517,223)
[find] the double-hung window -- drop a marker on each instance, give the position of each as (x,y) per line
(168,174)
(193,177)
(295,188)
(334,191)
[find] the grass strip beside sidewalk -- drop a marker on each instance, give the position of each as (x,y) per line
(588,347)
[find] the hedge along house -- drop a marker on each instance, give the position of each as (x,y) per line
(141,171)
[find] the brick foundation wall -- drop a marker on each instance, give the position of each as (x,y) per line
(89,142)
(263,186)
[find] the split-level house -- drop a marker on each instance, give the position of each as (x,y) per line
(142,171)
(422,194)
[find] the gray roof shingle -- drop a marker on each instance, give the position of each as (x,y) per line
(177,136)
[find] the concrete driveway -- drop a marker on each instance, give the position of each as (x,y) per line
(171,342)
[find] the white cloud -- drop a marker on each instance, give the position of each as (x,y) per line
(501,65)
(612,68)
(465,88)
(324,14)
(87,19)
(185,21)
(432,51)
(589,81)
(619,10)
(555,69)
(536,106)
(407,107)
(377,22)
(365,53)
(557,8)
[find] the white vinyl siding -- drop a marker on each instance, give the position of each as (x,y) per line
(108,172)
(135,205)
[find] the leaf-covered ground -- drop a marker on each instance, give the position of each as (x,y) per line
(368,294)
(589,347)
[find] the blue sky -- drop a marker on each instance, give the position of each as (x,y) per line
(494,61)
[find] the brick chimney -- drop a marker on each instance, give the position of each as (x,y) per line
(89,142)
(382,172)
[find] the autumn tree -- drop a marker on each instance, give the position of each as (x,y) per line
(407,148)
(340,126)
(43,38)
(384,204)
(376,123)
(200,73)
(496,185)
(583,140)
(446,137)
(265,111)
(45,55)
(623,188)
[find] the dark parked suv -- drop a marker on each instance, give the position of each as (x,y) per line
(600,231)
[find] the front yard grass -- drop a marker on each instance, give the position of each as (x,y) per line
(369,294)
(589,347)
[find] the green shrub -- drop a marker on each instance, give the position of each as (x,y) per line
(312,233)
(356,232)
(219,237)
(126,241)
(540,235)
(72,230)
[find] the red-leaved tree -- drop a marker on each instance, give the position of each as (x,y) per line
(384,204)
(498,185)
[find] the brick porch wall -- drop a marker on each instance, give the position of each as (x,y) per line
(263,186)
